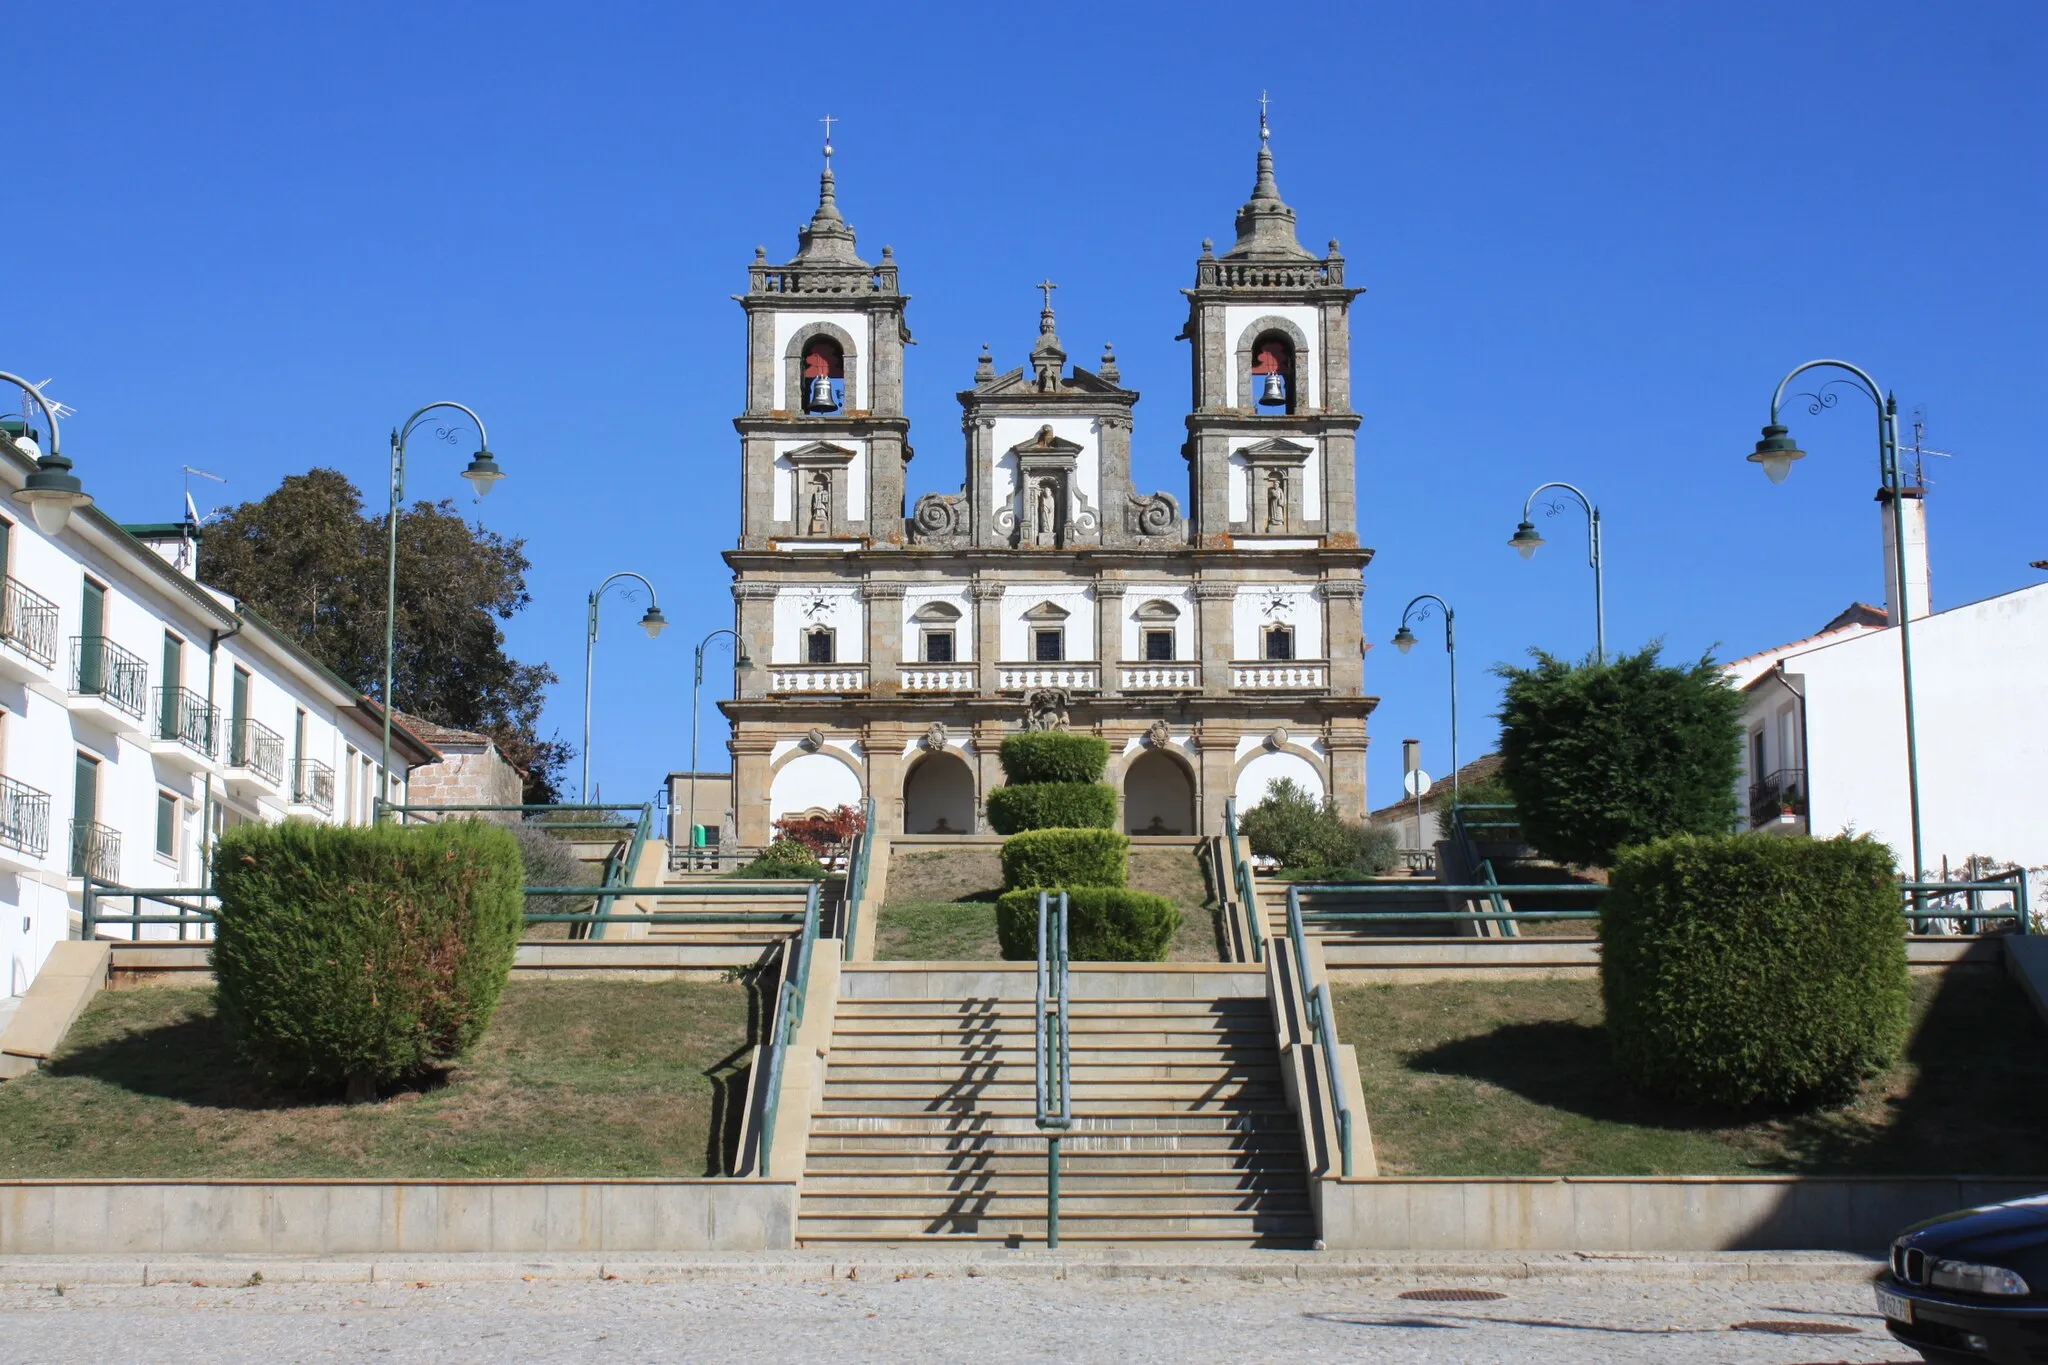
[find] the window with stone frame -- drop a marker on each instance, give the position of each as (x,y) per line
(936,622)
(1158,646)
(819,645)
(1048,645)
(1279,642)
(938,646)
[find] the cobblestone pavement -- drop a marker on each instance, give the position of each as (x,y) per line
(942,1318)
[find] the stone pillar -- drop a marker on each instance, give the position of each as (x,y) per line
(751,745)
(885,638)
(1343,635)
(1118,735)
(1113,475)
(988,632)
(1213,606)
(988,767)
(1215,758)
(1109,631)
(756,627)
(1347,742)
(883,743)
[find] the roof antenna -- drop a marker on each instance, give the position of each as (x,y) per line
(1920,449)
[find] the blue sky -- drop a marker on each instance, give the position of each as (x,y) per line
(253,237)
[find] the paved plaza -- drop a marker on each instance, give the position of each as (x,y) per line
(951,1316)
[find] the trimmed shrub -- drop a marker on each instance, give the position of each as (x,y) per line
(358,956)
(1053,756)
(784,858)
(550,860)
(1603,755)
(1066,857)
(1052,805)
(1745,970)
(1310,840)
(1104,924)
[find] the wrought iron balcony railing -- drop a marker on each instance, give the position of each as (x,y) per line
(256,747)
(186,717)
(1780,793)
(95,851)
(24,818)
(28,622)
(313,785)
(100,668)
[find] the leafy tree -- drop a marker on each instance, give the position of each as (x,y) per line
(312,562)
(1603,755)
(1310,840)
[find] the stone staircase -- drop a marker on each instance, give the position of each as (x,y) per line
(1182,1130)
(1339,939)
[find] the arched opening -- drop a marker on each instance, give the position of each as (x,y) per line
(1262,772)
(938,796)
(1273,371)
(812,782)
(1158,631)
(1159,797)
(937,626)
(824,375)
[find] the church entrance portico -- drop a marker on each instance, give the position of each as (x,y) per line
(938,796)
(1159,795)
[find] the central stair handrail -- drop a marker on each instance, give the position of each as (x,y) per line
(786,1020)
(1321,1024)
(1051,1053)
(857,877)
(1247,887)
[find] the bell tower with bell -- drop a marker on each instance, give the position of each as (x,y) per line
(1271,433)
(824,440)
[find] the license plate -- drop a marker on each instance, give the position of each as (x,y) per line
(1897,1307)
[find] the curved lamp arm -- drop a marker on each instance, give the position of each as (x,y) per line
(705,643)
(1450,617)
(1777,450)
(1592,515)
(653,599)
(483,468)
(49,413)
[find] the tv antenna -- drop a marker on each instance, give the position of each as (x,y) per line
(1920,449)
(192,508)
(60,410)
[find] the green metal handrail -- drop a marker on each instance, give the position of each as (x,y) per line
(1051,1054)
(790,999)
(1490,887)
(1320,1021)
(1247,893)
(2012,883)
(182,899)
(857,876)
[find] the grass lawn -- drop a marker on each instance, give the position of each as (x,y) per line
(1516,1078)
(965,931)
(573,1078)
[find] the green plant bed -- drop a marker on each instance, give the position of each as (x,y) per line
(1104,924)
(1518,1078)
(937,931)
(572,1078)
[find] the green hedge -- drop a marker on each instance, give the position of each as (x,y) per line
(358,956)
(1104,924)
(1066,857)
(1052,805)
(1746,970)
(783,858)
(1311,841)
(1053,756)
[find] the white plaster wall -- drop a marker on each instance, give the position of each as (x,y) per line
(1263,771)
(835,605)
(1981,690)
(855,325)
(1307,363)
(1251,611)
(1181,595)
(812,780)
(916,599)
(1018,599)
(788,495)
(1015,431)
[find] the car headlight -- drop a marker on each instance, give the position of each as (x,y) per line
(1975,1279)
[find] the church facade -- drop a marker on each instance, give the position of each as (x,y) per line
(1211,635)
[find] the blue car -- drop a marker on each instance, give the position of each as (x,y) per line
(1972,1286)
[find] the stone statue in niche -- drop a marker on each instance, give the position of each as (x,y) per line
(821,505)
(1045,708)
(1276,500)
(1047,525)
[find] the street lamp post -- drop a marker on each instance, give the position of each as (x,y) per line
(1776,452)
(1528,542)
(653,622)
(482,472)
(53,492)
(1404,640)
(740,660)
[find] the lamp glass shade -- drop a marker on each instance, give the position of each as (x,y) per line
(1525,540)
(482,472)
(654,623)
(1404,639)
(742,659)
(1776,452)
(52,511)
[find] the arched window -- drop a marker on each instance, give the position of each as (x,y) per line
(937,622)
(818,645)
(1273,371)
(824,376)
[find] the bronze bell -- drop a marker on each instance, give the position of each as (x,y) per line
(1274,394)
(820,398)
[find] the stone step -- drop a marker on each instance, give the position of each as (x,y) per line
(1028,1155)
(1023,1106)
(1100,1070)
(1081,1032)
(1123,1124)
(1016,1084)
(1100,1201)
(1023,1055)
(1250,1229)
(821,1183)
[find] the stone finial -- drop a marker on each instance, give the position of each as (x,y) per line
(1048,357)
(889,252)
(760,253)
(828,238)
(1208,248)
(985,367)
(1108,368)
(1265,225)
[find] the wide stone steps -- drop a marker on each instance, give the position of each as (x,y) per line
(969,1221)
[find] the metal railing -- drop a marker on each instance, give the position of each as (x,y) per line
(790,998)
(856,888)
(100,668)
(190,908)
(24,818)
(1480,869)
(95,851)
(257,747)
(313,785)
(1247,886)
(1947,908)
(1322,1027)
(28,622)
(1780,793)
(1052,1055)
(187,718)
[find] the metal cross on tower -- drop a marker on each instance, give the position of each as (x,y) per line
(1264,131)
(828,121)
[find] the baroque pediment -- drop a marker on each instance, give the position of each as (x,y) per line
(1275,450)
(819,453)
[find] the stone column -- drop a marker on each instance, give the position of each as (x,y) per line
(1343,635)
(751,745)
(1118,735)
(988,632)
(1215,757)
(1113,477)
(885,638)
(883,743)
(988,767)
(1213,607)
(756,628)
(1347,742)
(1109,631)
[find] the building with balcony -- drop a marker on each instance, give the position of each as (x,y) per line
(142,713)
(1210,634)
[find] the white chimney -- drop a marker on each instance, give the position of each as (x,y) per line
(1916,596)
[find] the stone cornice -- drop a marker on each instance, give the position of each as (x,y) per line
(753,592)
(1080,562)
(1344,589)
(875,591)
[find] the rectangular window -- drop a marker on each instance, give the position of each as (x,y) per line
(298,755)
(1048,646)
(238,715)
(1280,643)
(92,627)
(1158,646)
(169,708)
(938,646)
(166,825)
(350,810)
(818,647)
(6,544)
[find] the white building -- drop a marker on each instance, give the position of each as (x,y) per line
(1824,723)
(141,711)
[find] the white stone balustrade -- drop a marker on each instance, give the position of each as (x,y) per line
(1022,677)
(1274,675)
(952,678)
(1160,677)
(818,678)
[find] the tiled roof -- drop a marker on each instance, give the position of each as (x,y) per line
(1478,770)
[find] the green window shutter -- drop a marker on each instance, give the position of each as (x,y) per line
(85,800)
(166,825)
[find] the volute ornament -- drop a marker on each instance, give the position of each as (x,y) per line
(935,737)
(1156,515)
(812,741)
(938,519)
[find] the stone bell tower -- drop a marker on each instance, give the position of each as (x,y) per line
(1271,434)
(824,440)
